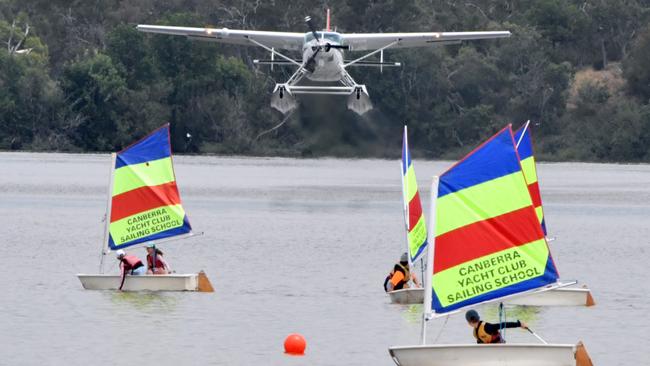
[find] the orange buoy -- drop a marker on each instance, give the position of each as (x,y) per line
(295,344)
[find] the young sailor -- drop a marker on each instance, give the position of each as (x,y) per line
(129,264)
(398,279)
(156,264)
(486,332)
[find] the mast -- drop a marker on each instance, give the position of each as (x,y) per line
(404,168)
(523,132)
(406,216)
(428,289)
(107,219)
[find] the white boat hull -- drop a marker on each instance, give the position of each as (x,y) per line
(564,296)
(407,296)
(171,282)
(491,355)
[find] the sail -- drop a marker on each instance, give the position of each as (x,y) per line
(145,203)
(525,150)
(415,224)
(488,240)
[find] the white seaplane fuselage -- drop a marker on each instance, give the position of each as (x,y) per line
(328,63)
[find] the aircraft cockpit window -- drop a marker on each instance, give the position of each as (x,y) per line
(332,37)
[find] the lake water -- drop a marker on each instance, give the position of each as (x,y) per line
(292,246)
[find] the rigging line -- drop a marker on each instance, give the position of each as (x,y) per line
(441,329)
(502,326)
(422,271)
(273,51)
(371,53)
(501,321)
(276,127)
(505,319)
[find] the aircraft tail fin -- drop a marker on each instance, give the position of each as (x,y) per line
(328,21)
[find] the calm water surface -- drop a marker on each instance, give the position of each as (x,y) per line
(292,246)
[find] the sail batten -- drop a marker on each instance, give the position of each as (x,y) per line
(489,243)
(145,202)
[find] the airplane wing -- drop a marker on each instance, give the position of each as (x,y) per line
(373,41)
(277,40)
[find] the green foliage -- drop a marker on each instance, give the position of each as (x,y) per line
(603,123)
(636,66)
(561,21)
(28,96)
(93,82)
(94,89)
(129,49)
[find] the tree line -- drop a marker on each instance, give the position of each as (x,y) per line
(76,76)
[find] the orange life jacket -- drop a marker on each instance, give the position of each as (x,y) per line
(407,274)
(400,276)
(484,337)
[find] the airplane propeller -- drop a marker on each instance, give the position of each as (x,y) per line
(327,45)
(310,65)
(311,26)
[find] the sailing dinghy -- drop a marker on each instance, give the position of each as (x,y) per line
(485,245)
(417,241)
(144,207)
(407,296)
(564,296)
(415,225)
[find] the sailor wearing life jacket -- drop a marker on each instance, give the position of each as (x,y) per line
(486,332)
(156,264)
(129,264)
(398,279)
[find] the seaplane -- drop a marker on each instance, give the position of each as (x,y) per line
(323,56)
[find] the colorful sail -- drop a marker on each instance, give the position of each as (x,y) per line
(415,224)
(145,203)
(525,150)
(488,241)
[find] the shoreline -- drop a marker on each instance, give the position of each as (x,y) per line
(314,158)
